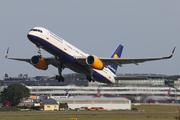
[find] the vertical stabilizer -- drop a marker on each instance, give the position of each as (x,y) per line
(67,94)
(98,94)
(168,94)
(116,54)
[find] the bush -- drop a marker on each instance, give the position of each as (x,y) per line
(63,105)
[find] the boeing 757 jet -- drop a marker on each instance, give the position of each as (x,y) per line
(66,55)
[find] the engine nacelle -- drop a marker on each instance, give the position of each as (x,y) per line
(94,62)
(39,62)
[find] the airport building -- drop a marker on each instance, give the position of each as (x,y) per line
(43,87)
(116,103)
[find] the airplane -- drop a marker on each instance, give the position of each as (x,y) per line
(66,55)
(158,98)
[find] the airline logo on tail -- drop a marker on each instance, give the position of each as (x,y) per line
(116,54)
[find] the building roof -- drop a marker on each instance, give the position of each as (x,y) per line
(49,101)
(144,75)
(92,99)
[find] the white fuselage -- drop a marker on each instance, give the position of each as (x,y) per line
(157,98)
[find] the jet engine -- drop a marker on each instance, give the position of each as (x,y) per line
(94,62)
(39,63)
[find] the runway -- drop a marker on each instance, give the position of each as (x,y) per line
(83,113)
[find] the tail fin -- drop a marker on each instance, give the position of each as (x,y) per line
(168,94)
(67,94)
(116,54)
(98,94)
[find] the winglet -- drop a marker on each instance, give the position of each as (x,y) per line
(172,53)
(7,53)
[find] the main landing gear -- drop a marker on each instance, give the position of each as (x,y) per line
(59,77)
(60,68)
(89,78)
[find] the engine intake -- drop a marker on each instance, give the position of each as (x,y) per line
(94,62)
(39,63)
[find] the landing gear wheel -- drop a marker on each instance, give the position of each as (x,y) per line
(89,78)
(59,78)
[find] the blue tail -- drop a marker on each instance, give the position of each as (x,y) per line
(67,92)
(116,54)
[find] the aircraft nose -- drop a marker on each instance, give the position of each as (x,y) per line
(32,38)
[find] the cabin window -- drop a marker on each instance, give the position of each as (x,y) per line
(36,30)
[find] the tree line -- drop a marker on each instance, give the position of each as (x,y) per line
(14,94)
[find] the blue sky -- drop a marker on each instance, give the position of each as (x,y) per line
(144,28)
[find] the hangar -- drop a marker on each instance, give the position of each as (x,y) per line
(116,103)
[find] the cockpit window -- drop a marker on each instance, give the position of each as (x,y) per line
(36,30)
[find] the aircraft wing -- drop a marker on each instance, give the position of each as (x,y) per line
(121,61)
(52,60)
(19,59)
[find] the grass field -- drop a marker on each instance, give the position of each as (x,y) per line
(157,112)
(119,116)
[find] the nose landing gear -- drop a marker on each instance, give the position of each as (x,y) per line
(39,49)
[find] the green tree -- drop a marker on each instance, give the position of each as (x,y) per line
(14,94)
(1,82)
(3,97)
(6,75)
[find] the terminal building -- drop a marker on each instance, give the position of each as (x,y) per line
(43,87)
